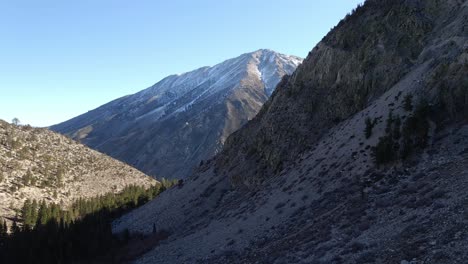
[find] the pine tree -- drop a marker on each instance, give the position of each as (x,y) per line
(55,212)
(408,103)
(396,128)
(2,228)
(43,213)
(68,217)
(26,214)
(15,229)
(34,208)
(5,229)
(80,233)
(388,128)
(369,127)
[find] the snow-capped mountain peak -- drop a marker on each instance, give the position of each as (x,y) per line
(201,83)
(198,109)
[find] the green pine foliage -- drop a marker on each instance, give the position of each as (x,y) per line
(76,235)
(166,184)
(28,213)
(33,213)
(401,140)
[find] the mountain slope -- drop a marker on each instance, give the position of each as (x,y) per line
(304,183)
(183,119)
(40,164)
(365,57)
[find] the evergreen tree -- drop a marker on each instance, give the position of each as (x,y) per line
(55,212)
(77,235)
(388,128)
(34,209)
(2,230)
(15,229)
(369,126)
(396,128)
(408,103)
(43,213)
(26,214)
(5,229)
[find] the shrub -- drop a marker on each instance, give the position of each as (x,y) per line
(387,148)
(369,126)
(416,129)
(385,152)
(13,188)
(388,128)
(15,144)
(27,178)
(408,103)
(396,128)
(414,133)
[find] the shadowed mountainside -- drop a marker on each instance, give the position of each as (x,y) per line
(359,157)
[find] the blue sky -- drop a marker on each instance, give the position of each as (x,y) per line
(62,58)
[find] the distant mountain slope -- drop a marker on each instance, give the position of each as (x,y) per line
(183,119)
(361,156)
(39,164)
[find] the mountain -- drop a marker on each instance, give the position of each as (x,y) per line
(360,156)
(172,126)
(39,164)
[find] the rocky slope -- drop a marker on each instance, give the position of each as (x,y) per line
(183,119)
(303,182)
(39,164)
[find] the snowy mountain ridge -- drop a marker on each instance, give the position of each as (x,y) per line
(268,65)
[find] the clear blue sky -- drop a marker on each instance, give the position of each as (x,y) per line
(59,59)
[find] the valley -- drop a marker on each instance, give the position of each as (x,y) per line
(356,154)
(303,182)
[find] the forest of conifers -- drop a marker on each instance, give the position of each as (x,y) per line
(45,233)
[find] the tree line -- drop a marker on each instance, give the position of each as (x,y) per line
(46,233)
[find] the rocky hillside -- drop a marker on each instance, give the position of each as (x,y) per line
(359,157)
(39,164)
(365,56)
(172,126)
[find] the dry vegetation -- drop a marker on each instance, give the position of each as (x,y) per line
(36,163)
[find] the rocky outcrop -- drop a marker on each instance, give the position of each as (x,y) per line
(363,57)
